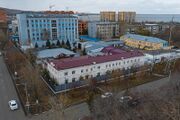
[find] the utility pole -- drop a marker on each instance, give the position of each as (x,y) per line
(170,30)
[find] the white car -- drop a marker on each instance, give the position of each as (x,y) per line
(106,95)
(0,53)
(13,105)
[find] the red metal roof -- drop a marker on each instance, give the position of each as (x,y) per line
(67,63)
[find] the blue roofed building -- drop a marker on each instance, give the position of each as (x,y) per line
(87,38)
(144,42)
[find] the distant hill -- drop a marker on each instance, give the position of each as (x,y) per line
(10,11)
(15,11)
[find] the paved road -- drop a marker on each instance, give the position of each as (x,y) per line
(8,92)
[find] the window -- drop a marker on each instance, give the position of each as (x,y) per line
(73,79)
(86,70)
(98,74)
(81,71)
(66,81)
(91,69)
(66,73)
(73,72)
(99,67)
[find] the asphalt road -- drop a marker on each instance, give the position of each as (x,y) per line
(8,92)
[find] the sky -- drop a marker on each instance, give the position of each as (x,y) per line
(95,6)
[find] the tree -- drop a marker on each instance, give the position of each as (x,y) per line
(143,31)
(68,44)
(84,52)
(63,43)
(36,45)
(31,56)
(48,44)
(58,43)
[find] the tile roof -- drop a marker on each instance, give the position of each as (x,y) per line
(68,63)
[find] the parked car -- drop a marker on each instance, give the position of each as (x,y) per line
(106,95)
(134,102)
(0,53)
(126,99)
(13,105)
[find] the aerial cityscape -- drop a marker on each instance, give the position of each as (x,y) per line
(89,60)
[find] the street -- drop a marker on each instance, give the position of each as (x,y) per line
(8,92)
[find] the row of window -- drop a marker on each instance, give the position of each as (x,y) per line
(108,65)
(47,20)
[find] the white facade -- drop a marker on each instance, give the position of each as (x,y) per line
(103,30)
(159,56)
(93,70)
(37,28)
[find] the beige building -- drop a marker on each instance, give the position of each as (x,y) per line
(108,16)
(103,30)
(144,42)
(126,17)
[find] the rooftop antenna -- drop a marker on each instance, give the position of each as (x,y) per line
(170,31)
(51,6)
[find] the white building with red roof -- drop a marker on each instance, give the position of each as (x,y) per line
(70,70)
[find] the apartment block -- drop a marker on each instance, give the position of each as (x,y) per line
(83,27)
(127,17)
(108,16)
(103,30)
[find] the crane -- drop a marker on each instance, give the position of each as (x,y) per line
(51,6)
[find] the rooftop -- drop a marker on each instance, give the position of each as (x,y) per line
(68,63)
(157,52)
(144,38)
(49,15)
(53,53)
(87,38)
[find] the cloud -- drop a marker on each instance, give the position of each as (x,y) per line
(140,6)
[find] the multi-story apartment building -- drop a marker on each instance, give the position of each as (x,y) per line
(37,28)
(103,30)
(83,27)
(108,16)
(126,17)
(144,42)
(71,70)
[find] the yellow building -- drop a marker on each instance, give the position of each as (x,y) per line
(126,17)
(108,16)
(144,42)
